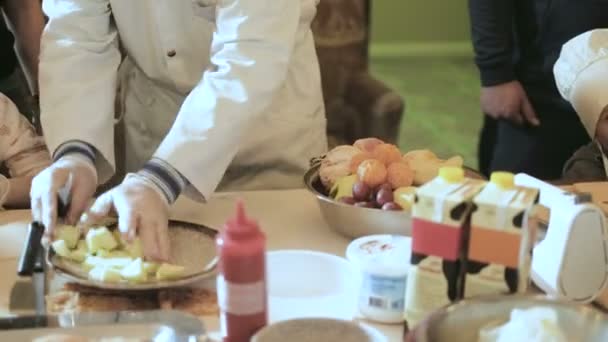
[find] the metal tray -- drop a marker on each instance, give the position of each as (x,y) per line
(192,246)
(125,326)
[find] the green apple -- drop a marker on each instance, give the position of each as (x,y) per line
(150,267)
(69,234)
(61,248)
(100,238)
(135,249)
(343,187)
(134,272)
(169,271)
(105,274)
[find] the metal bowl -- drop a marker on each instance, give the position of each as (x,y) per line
(354,222)
(463,321)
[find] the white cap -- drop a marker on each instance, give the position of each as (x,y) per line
(581,74)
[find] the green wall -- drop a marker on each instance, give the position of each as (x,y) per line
(418,21)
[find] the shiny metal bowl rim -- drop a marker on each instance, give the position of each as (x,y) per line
(436,316)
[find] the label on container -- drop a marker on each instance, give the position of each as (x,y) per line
(383,292)
(241,299)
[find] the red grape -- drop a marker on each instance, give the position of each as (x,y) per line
(391,206)
(347,200)
(361,191)
(384,196)
(365,205)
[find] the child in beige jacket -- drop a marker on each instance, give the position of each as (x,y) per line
(22,152)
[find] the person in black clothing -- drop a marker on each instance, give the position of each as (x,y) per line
(27,21)
(528,127)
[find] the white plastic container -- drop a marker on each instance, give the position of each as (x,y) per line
(383,262)
(307,284)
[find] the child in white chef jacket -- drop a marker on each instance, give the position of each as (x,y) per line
(581,74)
(22,152)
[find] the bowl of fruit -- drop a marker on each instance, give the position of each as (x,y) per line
(369,187)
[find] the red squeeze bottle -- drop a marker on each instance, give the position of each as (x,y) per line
(241,283)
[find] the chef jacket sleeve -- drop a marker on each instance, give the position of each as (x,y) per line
(250,52)
(78,77)
(492,35)
(581,75)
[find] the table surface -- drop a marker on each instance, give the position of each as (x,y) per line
(290,218)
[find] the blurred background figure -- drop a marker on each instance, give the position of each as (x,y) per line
(21,24)
(528,127)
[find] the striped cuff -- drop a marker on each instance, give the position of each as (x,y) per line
(75,147)
(163,175)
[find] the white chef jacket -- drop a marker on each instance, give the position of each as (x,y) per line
(204,85)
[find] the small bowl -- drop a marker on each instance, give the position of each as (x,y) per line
(355,222)
(307,284)
(463,321)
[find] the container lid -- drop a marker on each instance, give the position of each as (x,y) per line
(385,250)
(240,225)
(503,180)
(451,174)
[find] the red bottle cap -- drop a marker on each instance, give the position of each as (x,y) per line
(241,225)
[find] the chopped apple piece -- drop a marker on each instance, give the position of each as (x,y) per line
(100,238)
(102,253)
(105,274)
(77,255)
(69,234)
(134,271)
(82,245)
(151,267)
(61,248)
(169,271)
(135,249)
(118,263)
(118,237)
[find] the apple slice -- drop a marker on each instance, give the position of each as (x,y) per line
(102,253)
(100,238)
(134,271)
(77,255)
(150,267)
(105,274)
(82,245)
(69,234)
(117,263)
(135,249)
(118,237)
(169,271)
(61,248)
